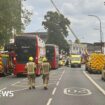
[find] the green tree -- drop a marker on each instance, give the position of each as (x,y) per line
(77,41)
(56,25)
(11,14)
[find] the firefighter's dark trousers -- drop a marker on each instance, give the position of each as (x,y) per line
(31,81)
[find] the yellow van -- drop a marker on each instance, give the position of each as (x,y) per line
(75,60)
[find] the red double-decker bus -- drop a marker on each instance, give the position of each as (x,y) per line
(26,46)
(52,54)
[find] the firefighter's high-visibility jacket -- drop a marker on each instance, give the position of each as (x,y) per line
(1,65)
(30,67)
(5,59)
(45,68)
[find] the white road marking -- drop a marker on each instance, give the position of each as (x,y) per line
(76,91)
(15,83)
(57,83)
(36,86)
(100,88)
(20,85)
(20,90)
(59,79)
(54,91)
(49,101)
(25,79)
(3,89)
(26,87)
(61,75)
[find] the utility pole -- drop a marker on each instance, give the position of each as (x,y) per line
(101,36)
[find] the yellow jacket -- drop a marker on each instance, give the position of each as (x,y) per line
(30,67)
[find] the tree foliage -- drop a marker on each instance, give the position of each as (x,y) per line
(77,41)
(10,18)
(56,25)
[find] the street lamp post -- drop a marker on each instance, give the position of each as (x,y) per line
(100,31)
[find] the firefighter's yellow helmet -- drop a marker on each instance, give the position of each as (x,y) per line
(31,58)
(44,59)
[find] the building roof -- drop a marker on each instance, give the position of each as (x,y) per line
(42,35)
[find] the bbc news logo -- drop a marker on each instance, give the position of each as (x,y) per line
(6,93)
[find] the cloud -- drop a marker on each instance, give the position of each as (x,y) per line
(40,5)
(76,11)
(83,7)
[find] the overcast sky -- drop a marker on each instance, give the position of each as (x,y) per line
(87,28)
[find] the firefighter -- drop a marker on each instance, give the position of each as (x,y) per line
(45,72)
(5,60)
(1,64)
(30,68)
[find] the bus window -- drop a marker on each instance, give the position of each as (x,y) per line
(52,54)
(49,53)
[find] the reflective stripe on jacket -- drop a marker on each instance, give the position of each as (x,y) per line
(30,66)
(45,68)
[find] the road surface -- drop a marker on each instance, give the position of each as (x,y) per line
(67,86)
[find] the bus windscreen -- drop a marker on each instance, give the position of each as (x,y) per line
(25,47)
(49,52)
